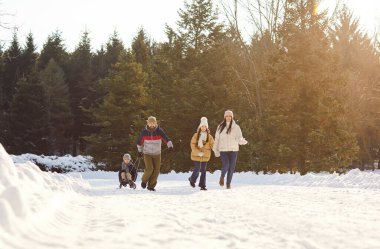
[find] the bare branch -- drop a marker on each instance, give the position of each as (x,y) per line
(3,16)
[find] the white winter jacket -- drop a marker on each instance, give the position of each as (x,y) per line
(227,142)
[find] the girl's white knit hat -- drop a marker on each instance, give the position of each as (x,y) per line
(203,122)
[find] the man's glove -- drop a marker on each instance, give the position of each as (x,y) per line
(170,145)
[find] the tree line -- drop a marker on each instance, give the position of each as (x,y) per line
(304,89)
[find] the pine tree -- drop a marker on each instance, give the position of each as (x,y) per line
(28,117)
(103,60)
(3,119)
(59,114)
(142,53)
(198,26)
(114,49)
(249,63)
(305,111)
(121,114)
(99,66)
(28,56)
(106,57)
(82,89)
(54,48)
(12,71)
(359,61)
(142,50)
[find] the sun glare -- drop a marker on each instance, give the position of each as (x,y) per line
(367,11)
(316,9)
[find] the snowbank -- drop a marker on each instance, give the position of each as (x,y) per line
(26,191)
(62,164)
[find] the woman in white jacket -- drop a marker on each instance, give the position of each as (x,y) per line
(228,137)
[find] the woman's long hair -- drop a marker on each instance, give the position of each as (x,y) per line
(224,124)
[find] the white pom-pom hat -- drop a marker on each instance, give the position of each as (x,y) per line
(203,122)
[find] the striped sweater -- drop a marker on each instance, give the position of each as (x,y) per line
(149,142)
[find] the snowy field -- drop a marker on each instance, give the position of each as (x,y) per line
(86,210)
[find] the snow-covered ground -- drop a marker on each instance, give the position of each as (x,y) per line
(86,210)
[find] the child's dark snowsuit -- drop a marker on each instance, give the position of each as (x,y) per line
(127,175)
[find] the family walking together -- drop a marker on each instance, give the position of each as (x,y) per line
(228,138)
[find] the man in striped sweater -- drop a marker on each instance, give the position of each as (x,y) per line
(149,146)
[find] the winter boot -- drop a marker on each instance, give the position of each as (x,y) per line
(221,181)
(132,184)
(143,185)
(192,184)
(151,189)
(228,186)
(203,188)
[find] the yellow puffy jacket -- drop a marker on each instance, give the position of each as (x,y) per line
(206,149)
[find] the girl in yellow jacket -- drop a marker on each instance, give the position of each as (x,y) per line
(201,145)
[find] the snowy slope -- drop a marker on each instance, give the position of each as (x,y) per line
(85,210)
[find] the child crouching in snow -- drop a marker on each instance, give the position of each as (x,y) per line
(125,172)
(201,145)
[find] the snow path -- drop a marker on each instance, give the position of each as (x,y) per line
(177,216)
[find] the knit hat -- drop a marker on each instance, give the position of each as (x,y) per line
(127,156)
(203,122)
(228,113)
(152,119)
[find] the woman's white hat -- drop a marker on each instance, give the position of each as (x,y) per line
(228,113)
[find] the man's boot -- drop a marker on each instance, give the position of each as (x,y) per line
(143,184)
(151,189)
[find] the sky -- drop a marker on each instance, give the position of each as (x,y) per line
(101,18)
(368,11)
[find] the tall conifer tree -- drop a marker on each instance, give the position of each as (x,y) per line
(107,56)
(305,114)
(11,73)
(360,62)
(121,114)
(59,114)
(82,88)
(28,116)
(53,48)
(3,119)
(29,56)
(12,70)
